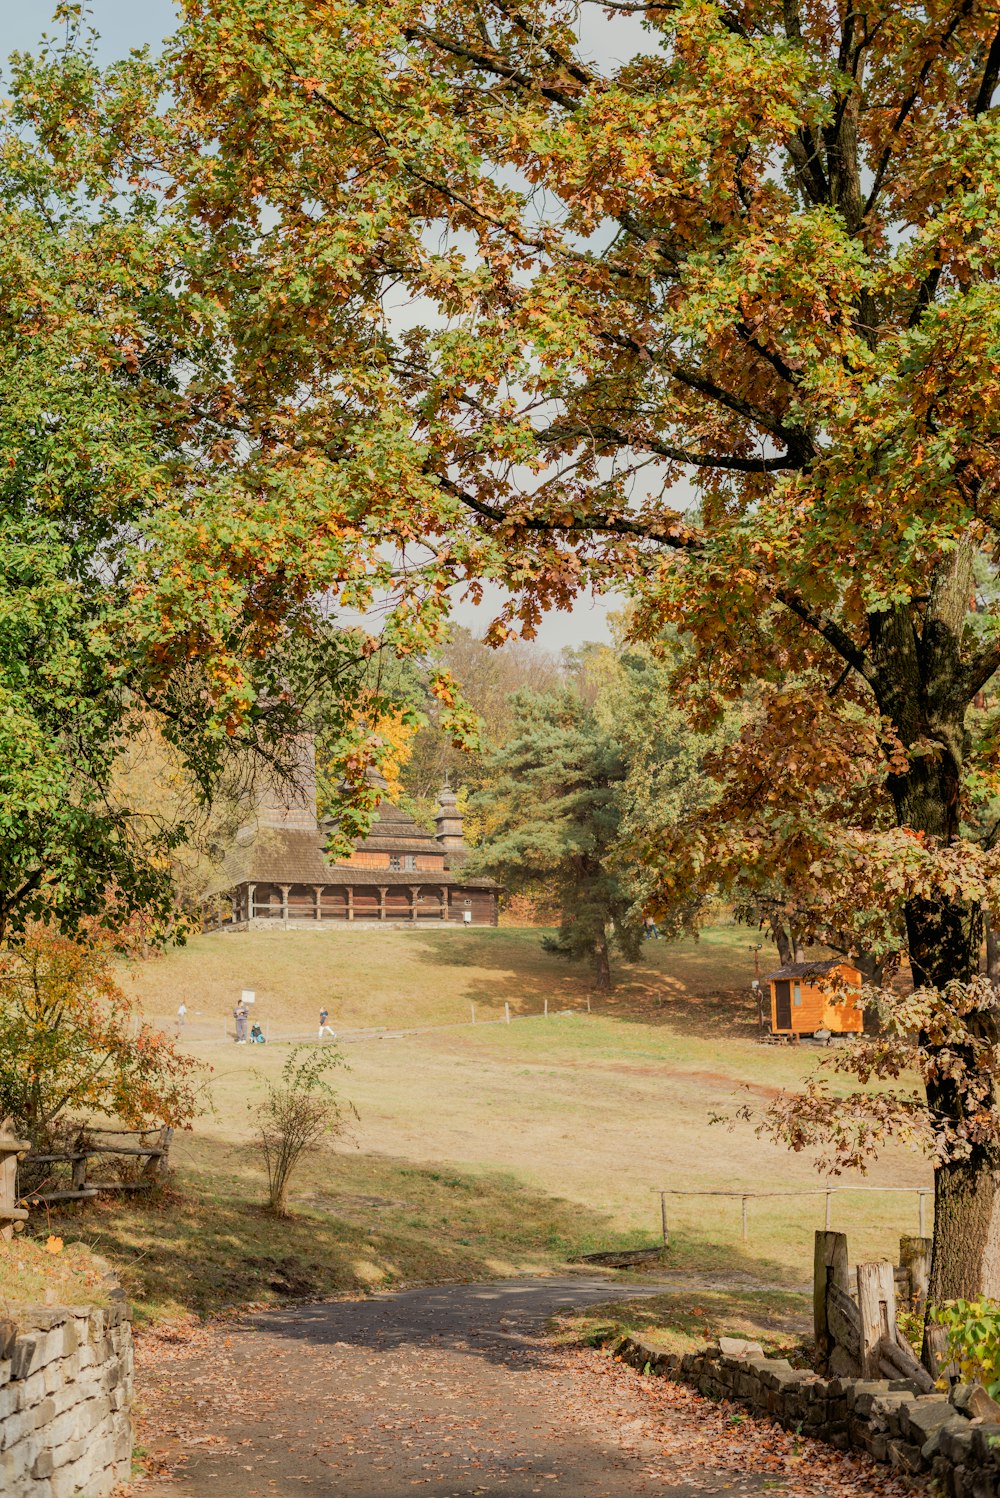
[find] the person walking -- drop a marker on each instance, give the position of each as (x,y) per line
(241,1014)
(324,1028)
(182,1013)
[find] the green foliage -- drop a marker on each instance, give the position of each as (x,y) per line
(553,807)
(973,1328)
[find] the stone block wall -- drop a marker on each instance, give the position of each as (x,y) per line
(889,1419)
(65,1401)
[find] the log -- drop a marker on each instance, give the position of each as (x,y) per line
(936,1351)
(844,1322)
(898,1360)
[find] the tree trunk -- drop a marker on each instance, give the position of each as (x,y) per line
(919,676)
(602,964)
(966,1259)
(782,941)
(944,939)
(992,952)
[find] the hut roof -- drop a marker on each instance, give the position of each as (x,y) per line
(808,969)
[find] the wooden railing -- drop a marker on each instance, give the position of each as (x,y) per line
(82,1185)
(828,1192)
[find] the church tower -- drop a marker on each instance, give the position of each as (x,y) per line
(448,822)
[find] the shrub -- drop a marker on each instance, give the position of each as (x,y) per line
(973,1328)
(72,1042)
(296,1114)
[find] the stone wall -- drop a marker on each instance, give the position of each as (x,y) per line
(65,1401)
(954,1439)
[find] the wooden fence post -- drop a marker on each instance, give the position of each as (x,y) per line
(877,1307)
(915,1258)
(829,1268)
(11,1215)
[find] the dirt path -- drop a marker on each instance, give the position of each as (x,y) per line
(446,1392)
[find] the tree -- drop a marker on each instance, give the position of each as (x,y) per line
(163,536)
(759,256)
(71,1042)
(552,809)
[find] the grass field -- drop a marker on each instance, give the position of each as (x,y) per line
(485,1149)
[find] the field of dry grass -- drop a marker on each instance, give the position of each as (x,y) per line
(490,1148)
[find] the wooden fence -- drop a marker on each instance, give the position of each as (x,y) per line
(78,1183)
(857,1335)
(828,1192)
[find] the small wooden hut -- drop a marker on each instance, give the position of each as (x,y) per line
(804,1000)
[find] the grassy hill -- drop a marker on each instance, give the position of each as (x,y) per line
(489,1148)
(428,977)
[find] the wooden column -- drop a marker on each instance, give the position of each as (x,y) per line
(284,902)
(350,902)
(318,891)
(235,906)
(382,890)
(251,890)
(414,896)
(444,902)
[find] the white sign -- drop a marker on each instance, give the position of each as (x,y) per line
(248,996)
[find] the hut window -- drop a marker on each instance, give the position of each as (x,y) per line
(797,994)
(402,861)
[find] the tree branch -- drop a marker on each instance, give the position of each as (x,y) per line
(490,65)
(602,433)
(990,78)
(684,540)
(905,109)
(983,665)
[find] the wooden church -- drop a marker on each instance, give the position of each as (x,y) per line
(277,872)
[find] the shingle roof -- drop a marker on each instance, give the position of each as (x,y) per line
(394,831)
(287,855)
(807,969)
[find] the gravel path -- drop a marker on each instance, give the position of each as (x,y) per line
(446,1392)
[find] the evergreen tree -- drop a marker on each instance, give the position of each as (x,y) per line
(552,807)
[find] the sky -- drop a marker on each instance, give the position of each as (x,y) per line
(123,24)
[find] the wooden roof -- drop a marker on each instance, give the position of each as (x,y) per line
(394,831)
(809,969)
(291,855)
(286,845)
